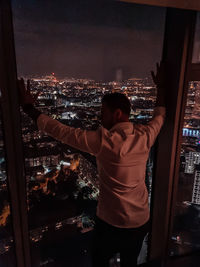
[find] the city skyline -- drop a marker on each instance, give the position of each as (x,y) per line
(62,182)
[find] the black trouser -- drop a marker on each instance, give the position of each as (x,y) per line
(109,240)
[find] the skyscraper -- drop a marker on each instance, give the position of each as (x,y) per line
(196,187)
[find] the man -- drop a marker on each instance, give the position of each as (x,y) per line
(121,149)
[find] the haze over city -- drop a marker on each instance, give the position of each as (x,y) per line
(84,39)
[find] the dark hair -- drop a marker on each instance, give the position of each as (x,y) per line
(117,101)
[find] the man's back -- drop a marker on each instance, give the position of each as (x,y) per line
(123,200)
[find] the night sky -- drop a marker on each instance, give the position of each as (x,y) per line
(87,39)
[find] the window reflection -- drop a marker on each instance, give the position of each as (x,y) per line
(196,48)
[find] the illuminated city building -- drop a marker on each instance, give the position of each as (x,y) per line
(196,110)
(189,162)
(196,188)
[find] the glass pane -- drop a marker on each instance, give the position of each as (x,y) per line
(196,48)
(73,53)
(186,228)
(7,249)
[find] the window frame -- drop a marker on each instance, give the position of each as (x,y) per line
(187,4)
(189,72)
(13,142)
(179,25)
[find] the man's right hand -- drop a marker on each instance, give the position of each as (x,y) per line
(25,95)
(159,77)
(159,80)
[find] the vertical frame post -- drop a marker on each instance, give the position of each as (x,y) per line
(179,24)
(13,142)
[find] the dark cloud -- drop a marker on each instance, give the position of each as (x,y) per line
(87,38)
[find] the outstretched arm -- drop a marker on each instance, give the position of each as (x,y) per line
(88,141)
